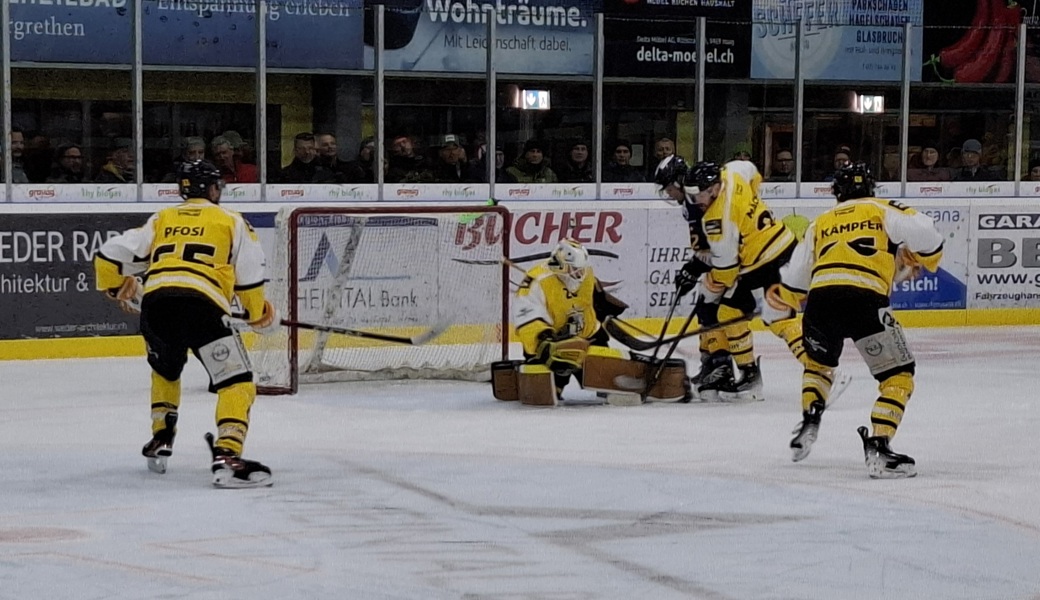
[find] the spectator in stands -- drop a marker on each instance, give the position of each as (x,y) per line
(924,166)
(890,165)
(620,169)
(577,168)
(1034,170)
(120,165)
(531,166)
(192,148)
(17,150)
(68,165)
(38,158)
(782,168)
(304,167)
(663,148)
(405,165)
(362,169)
(328,155)
(971,169)
(451,165)
(232,169)
(742,153)
(842,156)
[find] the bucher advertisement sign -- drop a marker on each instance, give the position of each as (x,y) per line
(47,276)
(1005,257)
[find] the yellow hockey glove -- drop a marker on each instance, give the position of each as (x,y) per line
(128,295)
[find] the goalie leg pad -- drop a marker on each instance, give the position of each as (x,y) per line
(616,374)
(226,361)
(504,380)
(536,386)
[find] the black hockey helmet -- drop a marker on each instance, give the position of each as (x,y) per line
(195,177)
(671,170)
(853,180)
(702,176)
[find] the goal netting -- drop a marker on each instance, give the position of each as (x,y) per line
(404,271)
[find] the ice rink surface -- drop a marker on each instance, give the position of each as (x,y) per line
(431,490)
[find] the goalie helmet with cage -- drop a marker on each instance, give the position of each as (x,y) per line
(195,177)
(853,180)
(570,262)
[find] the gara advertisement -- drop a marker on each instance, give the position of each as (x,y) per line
(47,276)
(1005,258)
(533,36)
(856,40)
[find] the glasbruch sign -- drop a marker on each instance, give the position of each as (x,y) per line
(47,276)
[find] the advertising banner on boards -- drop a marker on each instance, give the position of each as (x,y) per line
(1005,257)
(47,276)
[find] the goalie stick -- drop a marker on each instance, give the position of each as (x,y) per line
(618,333)
(417,340)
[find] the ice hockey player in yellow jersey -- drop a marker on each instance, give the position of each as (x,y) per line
(185,265)
(748,247)
(553,312)
(843,270)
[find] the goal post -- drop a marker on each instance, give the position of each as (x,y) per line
(427,273)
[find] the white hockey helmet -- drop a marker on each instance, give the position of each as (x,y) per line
(570,262)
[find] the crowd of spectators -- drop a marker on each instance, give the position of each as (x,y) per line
(317,158)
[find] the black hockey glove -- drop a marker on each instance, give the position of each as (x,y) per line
(687,277)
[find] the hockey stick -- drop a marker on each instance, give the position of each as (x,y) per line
(514,262)
(652,380)
(418,340)
(618,333)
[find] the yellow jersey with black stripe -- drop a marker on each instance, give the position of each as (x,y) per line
(855,243)
(741,230)
(544,303)
(197,246)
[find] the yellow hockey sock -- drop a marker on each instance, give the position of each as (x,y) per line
(166,398)
(790,331)
(738,336)
(890,405)
(233,404)
(816,383)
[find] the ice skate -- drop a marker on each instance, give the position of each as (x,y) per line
(159,449)
(716,374)
(233,471)
(748,388)
(805,432)
(882,462)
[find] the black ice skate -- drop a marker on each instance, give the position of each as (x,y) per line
(716,374)
(748,388)
(882,462)
(160,447)
(233,471)
(805,432)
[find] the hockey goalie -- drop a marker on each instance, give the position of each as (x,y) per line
(555,315)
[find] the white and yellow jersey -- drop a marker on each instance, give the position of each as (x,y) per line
(543,303)
(198,246)
(741,230)
(855,244)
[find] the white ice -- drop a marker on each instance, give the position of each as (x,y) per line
(431,490)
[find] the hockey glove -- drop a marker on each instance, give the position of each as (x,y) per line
(907,265)
(686,278)
(128,295)
(267,322)
(708,290)
(563,357)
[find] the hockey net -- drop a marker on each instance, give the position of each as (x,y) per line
(408,271)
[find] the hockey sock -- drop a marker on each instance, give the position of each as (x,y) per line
(233,404)
(790,331)
(889,407)
(741,344)
(166,398)
(816,383)
(714,341)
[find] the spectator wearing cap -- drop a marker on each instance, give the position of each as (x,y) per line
(924,166)
(577,168)
(451,165)
(120,165)
(1034,170)
(531,166)
(620,169)
(68,165)
(405,164)
(971,167)
(232,169)
(362,169)
(742,152)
